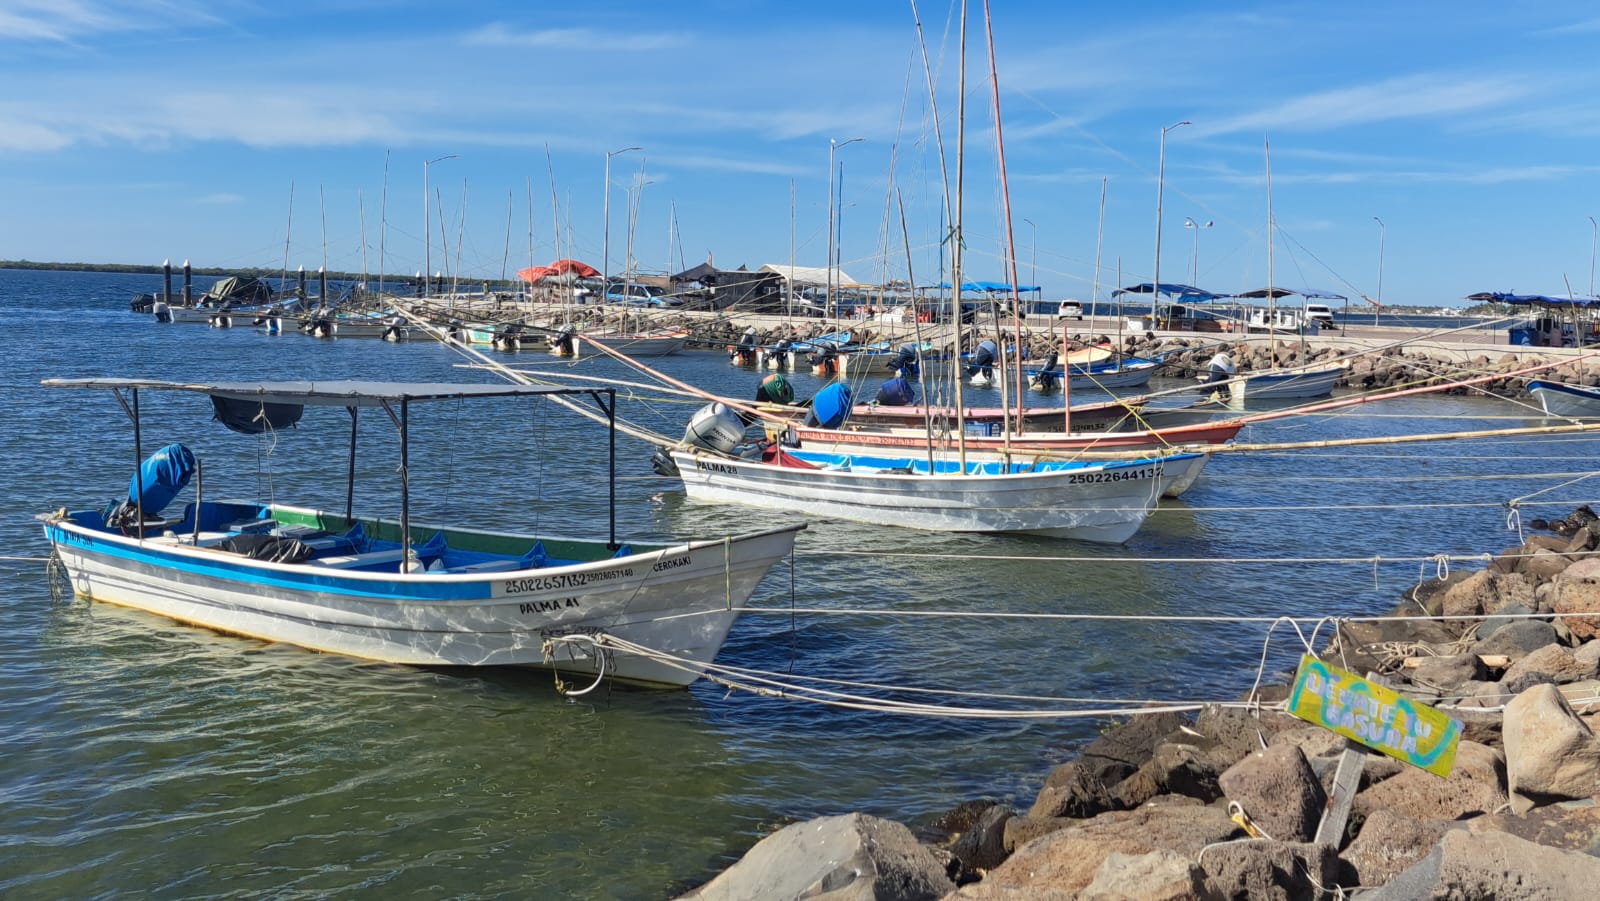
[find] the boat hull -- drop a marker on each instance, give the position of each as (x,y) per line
(679,600)
(1294,385)
(1099,504)
(1566,401)
(639,345)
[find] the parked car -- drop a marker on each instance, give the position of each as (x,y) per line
(1319,315)
(1070,309)
(637,295)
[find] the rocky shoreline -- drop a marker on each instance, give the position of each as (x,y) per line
(1385,366)
(1227,803)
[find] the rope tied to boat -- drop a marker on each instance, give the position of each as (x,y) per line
(601,657)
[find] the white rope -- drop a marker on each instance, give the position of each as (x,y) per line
(1222,561)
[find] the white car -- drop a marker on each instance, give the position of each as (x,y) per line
(1070,309)
(1319,315)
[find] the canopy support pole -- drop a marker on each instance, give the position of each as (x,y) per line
(350,477)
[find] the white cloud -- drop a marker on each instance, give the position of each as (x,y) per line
(69,21)
(1409,97)
(30,137)
(587,41)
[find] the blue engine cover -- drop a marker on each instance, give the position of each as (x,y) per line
(830,407)
(896,392)
(160,478)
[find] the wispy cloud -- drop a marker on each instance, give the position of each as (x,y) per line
(68,21)
(219,199)
(30,137)
(588,41)
(1429,96)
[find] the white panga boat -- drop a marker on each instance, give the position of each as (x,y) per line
(1090,501)
(398,591)
(1285,384)
(1567,401)
(638,344)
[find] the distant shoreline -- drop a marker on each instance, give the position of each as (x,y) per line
(129,268)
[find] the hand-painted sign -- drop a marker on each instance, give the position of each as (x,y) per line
(1376,716)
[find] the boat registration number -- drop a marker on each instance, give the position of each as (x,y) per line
(1114,475)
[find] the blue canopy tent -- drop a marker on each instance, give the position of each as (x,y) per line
(994,290)
(1179,294)
(1545,330)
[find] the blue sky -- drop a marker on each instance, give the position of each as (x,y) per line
(138,130)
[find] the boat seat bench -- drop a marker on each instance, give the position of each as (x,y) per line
(360,561)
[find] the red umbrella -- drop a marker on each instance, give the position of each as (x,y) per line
(534,273)
(573,267)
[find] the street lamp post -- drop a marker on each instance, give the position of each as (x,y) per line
(1190,223)
(833,146)
(1383,232)
(605,240)
(1161,172)
(1592,242)
(427,209)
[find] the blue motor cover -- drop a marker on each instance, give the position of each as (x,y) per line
(896,392)
(830,407)
(160,478)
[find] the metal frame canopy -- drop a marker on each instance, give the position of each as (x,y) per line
(351,395)
(337,393)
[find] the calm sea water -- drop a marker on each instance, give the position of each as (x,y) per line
(146,758)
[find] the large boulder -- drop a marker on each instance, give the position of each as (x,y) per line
(1158,876)
(854,857)
(1552,664)
(1476,786)
(1176,768)
(1270,871)
(1279,791)
(1576,594)
(1494,865)
(1446,673)
(1518,639)
(1550,752)
(1067,861)
(1388,843)
(1078,787)
(1568,825)
(1487,591)
(983,846)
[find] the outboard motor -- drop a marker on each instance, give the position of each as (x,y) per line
(565,343)
(830,407)
(396,330)
(716,428)
(980,365)
(778,356)
(1046,379)
(508,337)
(775,389)
(159,479)
(162,311)
(457,331)
(905,362)
(744,353)
(825,360)
(897,392)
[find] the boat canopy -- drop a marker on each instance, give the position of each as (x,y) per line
(1544,300)
(1308,293)
(985,287)
(347,393)
(1185,293)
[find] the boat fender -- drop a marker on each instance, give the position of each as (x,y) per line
(715,427)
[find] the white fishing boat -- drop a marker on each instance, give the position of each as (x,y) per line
(1099,502)
(638,344)
(1285,384)
(1566,401)
(394,590)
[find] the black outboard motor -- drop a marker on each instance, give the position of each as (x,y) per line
(778,356)
(565,343)
(508,337)
(1046,379)
(905,362)
(981,360)
(396,330)
(825,360)
(457,331)
(162,311)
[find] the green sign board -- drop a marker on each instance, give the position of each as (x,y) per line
(1374,715)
